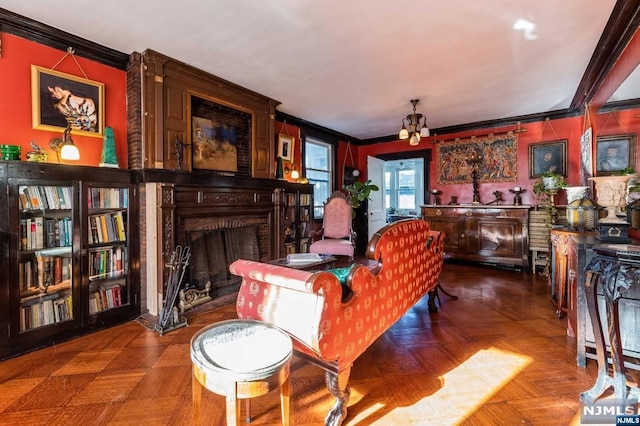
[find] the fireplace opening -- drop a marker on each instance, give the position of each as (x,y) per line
(213,250)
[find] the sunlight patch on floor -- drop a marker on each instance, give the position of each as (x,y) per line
(468,386)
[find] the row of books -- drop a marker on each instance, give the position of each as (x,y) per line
(45,310)
(105,298)
(44,271)
(305,199)
(40,197)
(107,262)
(106,198)
(40,232)
(108,227)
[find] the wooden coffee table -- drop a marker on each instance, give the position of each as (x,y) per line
(327,262)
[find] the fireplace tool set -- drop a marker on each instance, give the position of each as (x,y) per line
(169,316)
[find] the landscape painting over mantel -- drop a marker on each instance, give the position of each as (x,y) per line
(220,137)
(496,159)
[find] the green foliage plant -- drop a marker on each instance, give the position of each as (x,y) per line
(358,191)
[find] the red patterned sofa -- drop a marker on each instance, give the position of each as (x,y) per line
(331,332)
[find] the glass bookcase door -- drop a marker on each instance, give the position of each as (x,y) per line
(108,251)
(45,270)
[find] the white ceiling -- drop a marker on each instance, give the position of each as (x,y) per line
(352,66)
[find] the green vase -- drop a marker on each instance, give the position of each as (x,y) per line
(279,169)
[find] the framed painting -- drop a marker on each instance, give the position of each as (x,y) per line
(59,100)
(615,154)
(285,147)
(215,145)
(548,157)
(221,137)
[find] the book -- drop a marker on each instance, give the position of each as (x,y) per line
(303,258)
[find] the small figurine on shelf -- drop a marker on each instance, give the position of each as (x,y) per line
(37,155)
(108,158)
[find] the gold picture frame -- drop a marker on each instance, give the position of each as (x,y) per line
(59,100)
(285,147)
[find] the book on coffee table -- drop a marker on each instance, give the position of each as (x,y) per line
(303,258)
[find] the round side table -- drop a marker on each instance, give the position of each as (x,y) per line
(241,359)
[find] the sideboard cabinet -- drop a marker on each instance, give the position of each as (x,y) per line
(492,234)
(69,253)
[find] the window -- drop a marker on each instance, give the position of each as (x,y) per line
(404,185)
(318,160)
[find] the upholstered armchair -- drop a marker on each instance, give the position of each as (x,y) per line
(337,236)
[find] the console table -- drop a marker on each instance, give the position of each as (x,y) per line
(492,234)
(616,271)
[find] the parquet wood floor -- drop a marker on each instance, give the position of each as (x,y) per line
(496,356)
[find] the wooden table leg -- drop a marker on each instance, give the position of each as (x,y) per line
(285,393)
(233,405)
(247,409)
(196,396)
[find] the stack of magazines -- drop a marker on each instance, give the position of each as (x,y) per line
(303,258)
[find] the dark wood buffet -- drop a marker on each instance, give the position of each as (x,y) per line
(491,234)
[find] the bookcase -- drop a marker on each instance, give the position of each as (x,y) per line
(298,218)
(68,261)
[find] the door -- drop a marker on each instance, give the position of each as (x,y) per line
(375,211)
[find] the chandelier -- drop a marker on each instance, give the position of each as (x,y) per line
(414,126)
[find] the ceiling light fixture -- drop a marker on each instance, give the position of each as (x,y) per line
(414,126)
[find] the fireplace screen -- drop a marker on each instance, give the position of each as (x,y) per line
(212,251)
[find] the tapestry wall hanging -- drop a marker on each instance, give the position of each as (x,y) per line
(497,156)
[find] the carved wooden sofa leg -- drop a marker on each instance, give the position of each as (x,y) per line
(338,387)
(431,303)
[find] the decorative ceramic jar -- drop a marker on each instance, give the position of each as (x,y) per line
(575,192)
(611,193)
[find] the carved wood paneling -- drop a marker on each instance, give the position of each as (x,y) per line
(165,91)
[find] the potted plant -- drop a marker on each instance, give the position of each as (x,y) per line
(543,187)
(358,191)
(552,180)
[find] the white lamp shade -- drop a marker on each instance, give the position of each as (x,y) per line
(424,132)
(404,134)
(415,139)
(70,152)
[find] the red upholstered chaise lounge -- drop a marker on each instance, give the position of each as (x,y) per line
(331,332)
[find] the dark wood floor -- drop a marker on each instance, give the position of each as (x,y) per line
(496,356)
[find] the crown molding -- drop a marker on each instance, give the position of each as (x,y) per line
(38,32)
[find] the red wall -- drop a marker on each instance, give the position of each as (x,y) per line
(291,130)
(566,128)
(15,107)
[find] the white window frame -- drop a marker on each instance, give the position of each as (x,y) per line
(318,212)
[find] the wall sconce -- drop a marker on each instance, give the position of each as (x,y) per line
(64,148)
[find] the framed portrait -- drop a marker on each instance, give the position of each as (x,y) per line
(59,99)
(614,154)
(285,147)
(548,157)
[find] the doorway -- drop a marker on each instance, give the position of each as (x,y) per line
(406,183)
